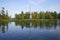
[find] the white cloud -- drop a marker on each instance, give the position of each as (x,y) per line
(36,2)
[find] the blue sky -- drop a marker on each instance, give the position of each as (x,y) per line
(16,6)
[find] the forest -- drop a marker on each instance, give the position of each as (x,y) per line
(4,15)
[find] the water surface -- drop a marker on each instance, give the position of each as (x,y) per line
(36,30)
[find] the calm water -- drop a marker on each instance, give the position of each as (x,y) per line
(42,30)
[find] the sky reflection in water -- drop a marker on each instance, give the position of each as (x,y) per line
(42,30)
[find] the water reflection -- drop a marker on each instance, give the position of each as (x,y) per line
(35,30)
(41,24)
(4,26)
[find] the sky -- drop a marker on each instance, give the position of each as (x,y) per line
(16,6)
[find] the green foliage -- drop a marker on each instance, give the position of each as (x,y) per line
(59,16)
(40,15)
(26,15)
(3,15)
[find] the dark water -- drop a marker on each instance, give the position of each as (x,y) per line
(36,30)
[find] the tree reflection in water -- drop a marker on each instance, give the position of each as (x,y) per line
(47,24)
(30,30)
(41,24)
(4,26)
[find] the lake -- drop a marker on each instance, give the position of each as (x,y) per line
(36,30)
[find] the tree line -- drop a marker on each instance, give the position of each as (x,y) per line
(4,14)
(29,15)
(38,15)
